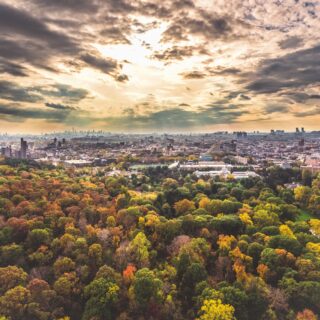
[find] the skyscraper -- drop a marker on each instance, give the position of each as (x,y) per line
(23,149)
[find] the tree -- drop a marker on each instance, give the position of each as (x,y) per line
(38,237)
(11,254)
(254,251)
(14,303)
(66,285)
(238,299)
(95,254)
(139,247)
(264,218)
(306,314)
(216,310)
(315,226)
(286,231)
(287,243)
(194,274)
(306,177)
(184,206)
(146,287)
(302,194)
(11,277)
(226,243)
(63,265)
(102,296)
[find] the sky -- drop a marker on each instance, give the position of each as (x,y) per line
(159,66)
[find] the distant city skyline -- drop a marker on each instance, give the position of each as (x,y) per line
(144,66)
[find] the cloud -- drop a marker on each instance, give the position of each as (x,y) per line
(68,5)
(178,53)
(59,106)
(64,92)
(294,70)
(13,92)
(315,111)
(122,78)
(244,97)
(13,69)
(18,113)
(291,42)
(176,118)
(20,22)
(209,72)
(301,97)
(224,71)
(107,66)
(276,109)
(26,38)
(114,35)
(193,75)
(249,53)
(203,25)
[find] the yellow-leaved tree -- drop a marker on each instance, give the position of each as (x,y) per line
(286,231)
(216,310)
(315,227)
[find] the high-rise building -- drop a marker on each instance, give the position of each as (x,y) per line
(6,152)
(297,130)
(23,149)
(302,130)
(301,143)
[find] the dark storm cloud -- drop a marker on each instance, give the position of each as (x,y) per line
(70,5)
(182,4)
(14,21)
(13,69)
(295,70)
(27,51)
(301,96)
(25,38)
(65,92)
(120,6)
(291,42)
(159,9)
(13,92)
(108,66)
(59,106)
(18,114)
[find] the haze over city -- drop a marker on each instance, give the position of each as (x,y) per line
(158,66)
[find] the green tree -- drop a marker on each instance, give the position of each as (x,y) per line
(146,287)
(102,297)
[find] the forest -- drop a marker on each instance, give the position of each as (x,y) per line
(78,244)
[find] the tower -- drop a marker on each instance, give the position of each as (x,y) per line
(23,149)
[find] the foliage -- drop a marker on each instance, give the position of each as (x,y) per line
(161,245)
